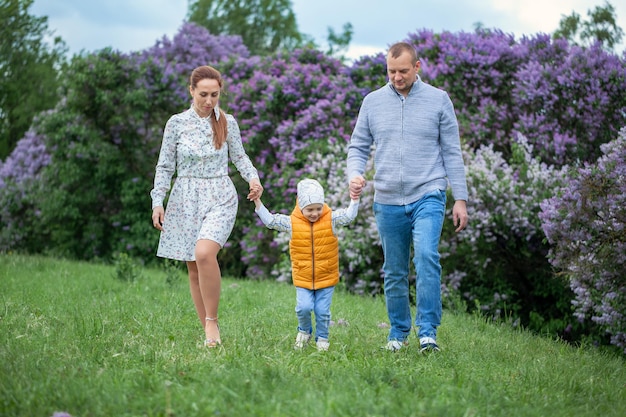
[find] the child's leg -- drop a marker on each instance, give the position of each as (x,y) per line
(323,299)
(305,301)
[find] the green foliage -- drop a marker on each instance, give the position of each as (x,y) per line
(126,269)
(76,339)
(339,42)
(132,226)
(29,68)
(601,26)
(103,148)
(19,202)
(265,26)
(173,271)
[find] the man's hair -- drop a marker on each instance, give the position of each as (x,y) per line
(399,48)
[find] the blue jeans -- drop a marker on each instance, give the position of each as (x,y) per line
(421,223)
(318,302)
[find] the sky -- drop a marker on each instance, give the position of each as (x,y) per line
(133,25)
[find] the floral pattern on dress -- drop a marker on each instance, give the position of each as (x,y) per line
(203,200)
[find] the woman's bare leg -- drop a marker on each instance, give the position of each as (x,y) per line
(194,288)
(209,284)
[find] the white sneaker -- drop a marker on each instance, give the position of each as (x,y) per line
(301,340)
(322,344)
(395,345)
(428,344)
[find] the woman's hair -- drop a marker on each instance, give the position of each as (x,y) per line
(399,48)
(220,126)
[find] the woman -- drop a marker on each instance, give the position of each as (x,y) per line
(202,205)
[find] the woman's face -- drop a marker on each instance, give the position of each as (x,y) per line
(205,96)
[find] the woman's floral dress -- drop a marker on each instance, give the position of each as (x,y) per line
(203,201)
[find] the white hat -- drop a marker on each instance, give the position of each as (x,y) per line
(310,192)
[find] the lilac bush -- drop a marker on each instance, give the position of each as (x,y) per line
(585,223)
(368,72)
(26,161)
(289,106)
(571,101)
(478,70)
(19,178)
(499,261)
(166,66)
(565,99)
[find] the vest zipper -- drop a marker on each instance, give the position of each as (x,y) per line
(312,258)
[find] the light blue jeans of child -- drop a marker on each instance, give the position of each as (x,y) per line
(419,223)
(317,302)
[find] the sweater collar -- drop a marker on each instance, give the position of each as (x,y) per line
(414,88)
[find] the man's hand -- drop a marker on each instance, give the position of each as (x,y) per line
(356,187)
(459,215)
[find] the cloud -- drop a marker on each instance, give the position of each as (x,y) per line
(537,15)
(134,25)
(357,51)
(378,23)
(123,25)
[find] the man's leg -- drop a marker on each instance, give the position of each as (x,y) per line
(427,218)
(394,228)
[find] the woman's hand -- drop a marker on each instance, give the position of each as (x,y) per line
(158,213)
(256,189)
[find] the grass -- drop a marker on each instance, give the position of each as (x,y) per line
(76,338)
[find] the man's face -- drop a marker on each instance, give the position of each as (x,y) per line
(402,72)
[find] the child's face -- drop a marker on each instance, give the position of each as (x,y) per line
(312,212)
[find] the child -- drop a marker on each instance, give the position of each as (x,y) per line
(314,252)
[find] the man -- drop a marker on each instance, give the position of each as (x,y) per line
(417,153)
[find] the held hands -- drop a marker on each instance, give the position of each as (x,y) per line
(158,213)
(356,187)
(459,215)
(256,189)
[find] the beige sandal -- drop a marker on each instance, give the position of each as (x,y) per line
(211,343)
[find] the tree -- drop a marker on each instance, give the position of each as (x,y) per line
(28,68)
(339,42)
(264,25)
(600,27)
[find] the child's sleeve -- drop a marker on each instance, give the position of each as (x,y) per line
(280,222)
(344,216)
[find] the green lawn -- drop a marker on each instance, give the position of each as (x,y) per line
(76,338)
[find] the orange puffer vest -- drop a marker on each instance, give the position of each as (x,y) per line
(314,251)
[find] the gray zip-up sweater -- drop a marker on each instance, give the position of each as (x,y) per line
(417,144)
